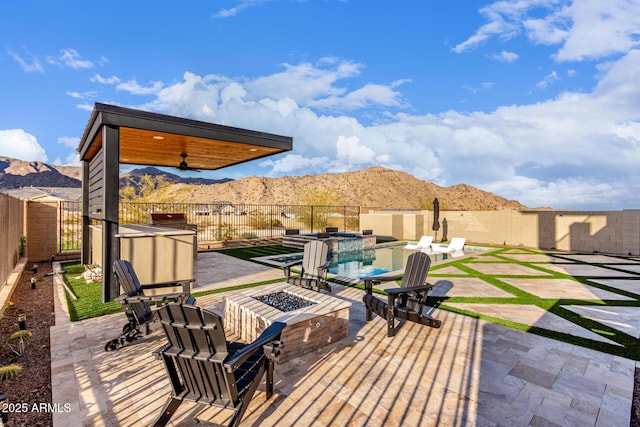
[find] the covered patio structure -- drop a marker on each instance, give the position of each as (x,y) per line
(117,135)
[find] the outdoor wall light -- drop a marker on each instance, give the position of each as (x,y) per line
(33,283)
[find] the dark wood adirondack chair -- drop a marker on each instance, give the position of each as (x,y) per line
(204,368)
(405,302)
(314,267)
(136,304)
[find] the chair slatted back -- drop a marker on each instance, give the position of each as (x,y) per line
(415,273)
(131,286)
(315,255)
(198,347)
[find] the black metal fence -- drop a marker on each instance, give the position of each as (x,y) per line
(220,221)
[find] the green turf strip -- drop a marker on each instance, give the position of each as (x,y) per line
(88,304)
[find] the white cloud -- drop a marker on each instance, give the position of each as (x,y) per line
(351,155)
(505,56)
(18,144)
(113,80)
(551,153)
(293,163)
(69,141)
(72,59)
(584,29)
(134,88)
(244,5)
(549,79)
(601,29)
(31,66)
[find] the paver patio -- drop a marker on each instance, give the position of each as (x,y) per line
(469,372)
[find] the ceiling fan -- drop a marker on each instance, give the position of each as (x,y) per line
(184,166)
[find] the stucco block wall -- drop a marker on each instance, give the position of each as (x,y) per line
(42,229)
(616,232)
(630,232)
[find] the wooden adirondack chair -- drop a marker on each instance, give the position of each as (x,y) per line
(136,304)
(204,368)
(405,302)
(314,267)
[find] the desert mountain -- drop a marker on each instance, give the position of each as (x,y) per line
(18,173)
(133,177)
(372,187)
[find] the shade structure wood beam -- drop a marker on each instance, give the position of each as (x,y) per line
(117,135)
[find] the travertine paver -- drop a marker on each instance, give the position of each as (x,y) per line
(447,270)
(629,285)
(635,268)
(529,257)
(469,372)
(466,286)
(596,259)
(531,315)
(562,289)
(625,319)
(582,270)
(507,269)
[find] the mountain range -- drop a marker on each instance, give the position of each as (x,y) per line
(372,187)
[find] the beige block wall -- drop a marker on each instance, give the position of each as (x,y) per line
(616,232)
(42,229)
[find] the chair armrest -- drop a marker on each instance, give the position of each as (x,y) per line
(420,288)
(175,297)
(287,267)
(382,279)
(272,333)
(292,263)
(375,280)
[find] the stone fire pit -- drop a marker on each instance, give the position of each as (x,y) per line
(323,321)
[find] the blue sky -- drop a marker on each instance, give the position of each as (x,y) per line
(537,101)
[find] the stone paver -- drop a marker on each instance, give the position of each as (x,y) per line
(469,372)
(596,259)
(562,289)
(507,269)
(629,285)
(582,270)
(625,319)
(529,257)
(466,286)
(531,315)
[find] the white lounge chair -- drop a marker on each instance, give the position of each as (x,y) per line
(425,242)
(455,245)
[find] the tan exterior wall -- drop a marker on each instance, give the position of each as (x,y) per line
(615,232)
(42,230)
(11,229)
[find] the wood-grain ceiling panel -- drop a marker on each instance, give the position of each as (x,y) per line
(144,147)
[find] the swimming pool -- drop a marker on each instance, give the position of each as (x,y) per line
(379,259)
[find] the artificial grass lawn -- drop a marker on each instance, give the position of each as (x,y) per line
(88,304)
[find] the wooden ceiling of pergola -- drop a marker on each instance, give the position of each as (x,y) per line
(159,140)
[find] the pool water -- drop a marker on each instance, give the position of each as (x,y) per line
(369,262)
(365,262)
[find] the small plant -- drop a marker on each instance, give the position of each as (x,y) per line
(18,338)
(23,243)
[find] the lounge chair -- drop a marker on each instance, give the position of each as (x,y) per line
(204,368)
(407,301)
(455,245)
(136,304)
(425,242)
(314,267)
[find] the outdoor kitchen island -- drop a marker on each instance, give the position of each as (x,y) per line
(313,319)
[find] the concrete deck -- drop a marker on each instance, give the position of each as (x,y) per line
(469,372)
